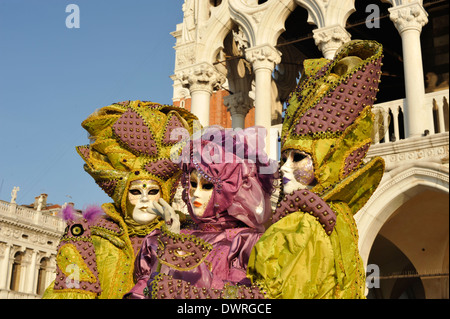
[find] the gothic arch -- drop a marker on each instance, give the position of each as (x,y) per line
(218,27)
(244,20)
(261,23)
(396,188)
(273,21)
(328,13)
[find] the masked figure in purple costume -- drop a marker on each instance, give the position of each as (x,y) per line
(227,180)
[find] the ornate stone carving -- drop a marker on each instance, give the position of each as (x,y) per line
(251,3)
(435,149)
(241,40)
(14,194)
(202,77)
(262,23)
(238,103)
(3,249)
(411,16)
(326,13)
(264,56)
(189,20)
(185,56)
(329,39)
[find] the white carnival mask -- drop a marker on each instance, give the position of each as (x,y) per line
(200,193)
(297,171)
(141,195)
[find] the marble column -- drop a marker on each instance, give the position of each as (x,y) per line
(238,104)
(409,20)
(30,283)
(201,80)
(4,265)
(329,39)
(50,271)
(263,58)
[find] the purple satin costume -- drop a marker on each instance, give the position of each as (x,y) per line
(233,220)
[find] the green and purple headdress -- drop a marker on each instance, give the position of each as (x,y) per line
(133,140)
(329,116)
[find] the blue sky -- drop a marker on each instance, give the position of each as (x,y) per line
(52,77)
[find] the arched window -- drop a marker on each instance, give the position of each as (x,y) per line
(15,271)
(215,3)
(42,276)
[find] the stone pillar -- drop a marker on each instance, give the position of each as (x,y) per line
(441,117)
(30,283)
(201,80)
(12,209)
(24,268)
(329,39)
(395,112)
(263,58)
(4,265)
(238,104)
(409,20)
(50,271)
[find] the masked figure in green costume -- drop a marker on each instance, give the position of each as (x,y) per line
(130,159)
(311,249)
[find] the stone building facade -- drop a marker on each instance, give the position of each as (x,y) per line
(29,237)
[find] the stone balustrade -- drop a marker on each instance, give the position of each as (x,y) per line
(31,217)
(391,114)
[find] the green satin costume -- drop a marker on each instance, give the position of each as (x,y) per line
(115,252)
(329,117)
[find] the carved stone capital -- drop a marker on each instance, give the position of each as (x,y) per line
(329,39)
(263,57)
(238,103)
(409,17)
(201,77)
(3,249)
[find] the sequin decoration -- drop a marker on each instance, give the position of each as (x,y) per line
(108,186)
(354,159)
(182,252)
(168,287)
(133,131)
(163,168)
(172,123)
(339,108)
(307,202)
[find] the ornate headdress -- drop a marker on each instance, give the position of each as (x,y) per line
(242,175)
(132,140)
(329,117)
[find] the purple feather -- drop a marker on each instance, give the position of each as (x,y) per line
(68,213)
(92,212)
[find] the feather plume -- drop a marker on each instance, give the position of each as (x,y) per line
(68,213)
(92,212)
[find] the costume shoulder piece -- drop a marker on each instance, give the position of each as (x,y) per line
(329,116)
(76,259)
(310,203)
